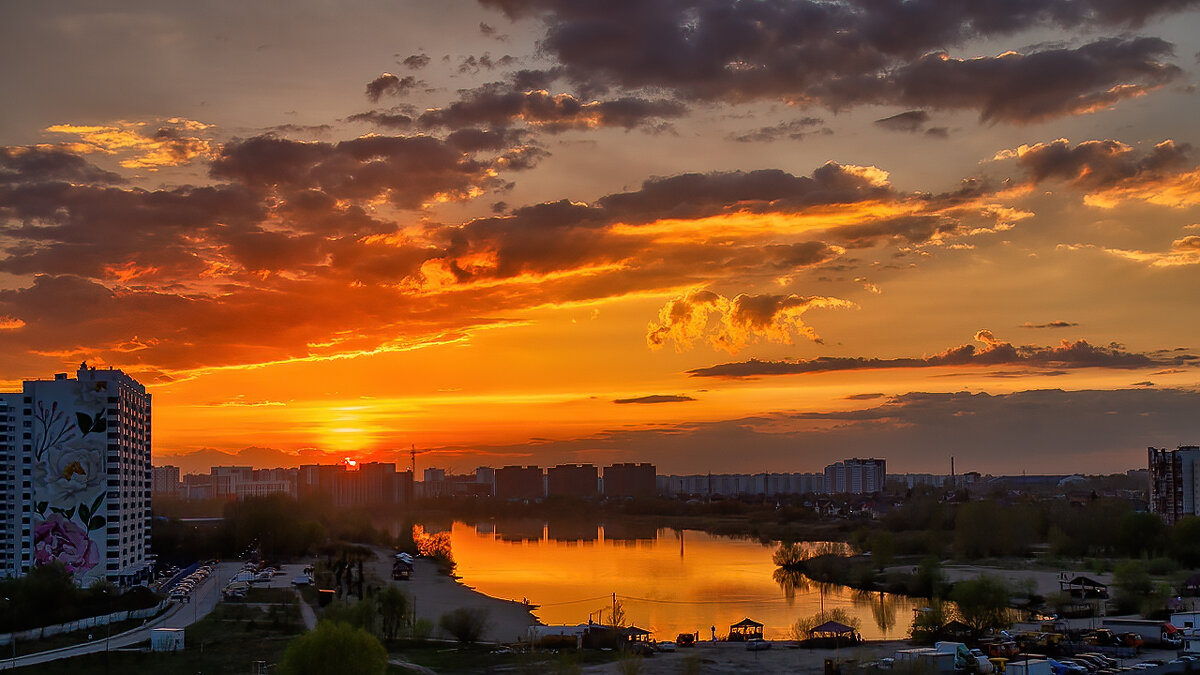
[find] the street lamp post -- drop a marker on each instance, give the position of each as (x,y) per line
(12,636)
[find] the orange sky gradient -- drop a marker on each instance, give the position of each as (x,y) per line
(486,232)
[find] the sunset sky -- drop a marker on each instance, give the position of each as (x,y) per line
(717,235)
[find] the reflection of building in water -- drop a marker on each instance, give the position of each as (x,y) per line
(630,480)
(520,529)
(572,480)
(570,530)
(630,532)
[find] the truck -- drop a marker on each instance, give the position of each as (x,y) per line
(1021,666)
(925,660)
(964,659)
(1154,633)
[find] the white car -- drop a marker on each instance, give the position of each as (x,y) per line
(665,646)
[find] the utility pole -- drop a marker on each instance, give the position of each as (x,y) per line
(613,616)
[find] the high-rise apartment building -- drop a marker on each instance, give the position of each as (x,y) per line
(629,480)
(519,482)
(1173,481)
(164,480)
(856,476)
(75,465)
(572,480)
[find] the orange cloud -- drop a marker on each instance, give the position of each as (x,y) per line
(172,143)
(732,323)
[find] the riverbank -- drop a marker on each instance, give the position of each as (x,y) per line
(731,658)
(434,594)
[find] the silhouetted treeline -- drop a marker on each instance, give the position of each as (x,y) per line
(276,526)
(48,596)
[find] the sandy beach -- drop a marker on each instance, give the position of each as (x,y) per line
(434,595)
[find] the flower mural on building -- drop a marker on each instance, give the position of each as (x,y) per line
(61,539)
(70,473)
(70,478)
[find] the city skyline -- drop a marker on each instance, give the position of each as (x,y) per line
(727,236)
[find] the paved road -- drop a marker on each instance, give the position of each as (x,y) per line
(178,615)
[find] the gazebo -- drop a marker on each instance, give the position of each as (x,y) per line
(835,633)
(1084,588)
(744,630)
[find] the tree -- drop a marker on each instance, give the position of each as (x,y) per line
(929,581)
(1141,534)
(362,614)
(883,549)
(466,624)
(928,623)
(1132,585)
(982,603)
(804,625)
(393,610)
(1185,541)
(334,647)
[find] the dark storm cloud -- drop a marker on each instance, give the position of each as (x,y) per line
(911,121)
(391,85)
(389,119)
(793,129)
(497,107)
(694,195)
(994,352)
(657,398)
(1051,324)
(409,170)
(41,164)
(849,53)
(416,61)
(1102,164)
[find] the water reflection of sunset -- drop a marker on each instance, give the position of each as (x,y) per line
(669,581)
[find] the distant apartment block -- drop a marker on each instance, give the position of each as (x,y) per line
(370,483)
(856,476)
(1173,476)
(739,484)
(164,480)
(75,468)
(519,482)
(572,480)
(630,480)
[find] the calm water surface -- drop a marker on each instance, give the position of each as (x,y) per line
(668,581)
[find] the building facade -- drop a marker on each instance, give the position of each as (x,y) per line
(164,480)
(629,480)
(572,480)
(77,476)
(519,482)
(1173,481)
(856,476)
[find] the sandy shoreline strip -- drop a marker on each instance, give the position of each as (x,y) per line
(434,595)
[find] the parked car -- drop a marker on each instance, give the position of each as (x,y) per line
(665,646)
(757,644)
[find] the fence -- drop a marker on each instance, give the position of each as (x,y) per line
(82,624)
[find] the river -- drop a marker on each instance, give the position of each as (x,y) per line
(667,581)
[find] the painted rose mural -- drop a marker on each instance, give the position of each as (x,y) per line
(69,477)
